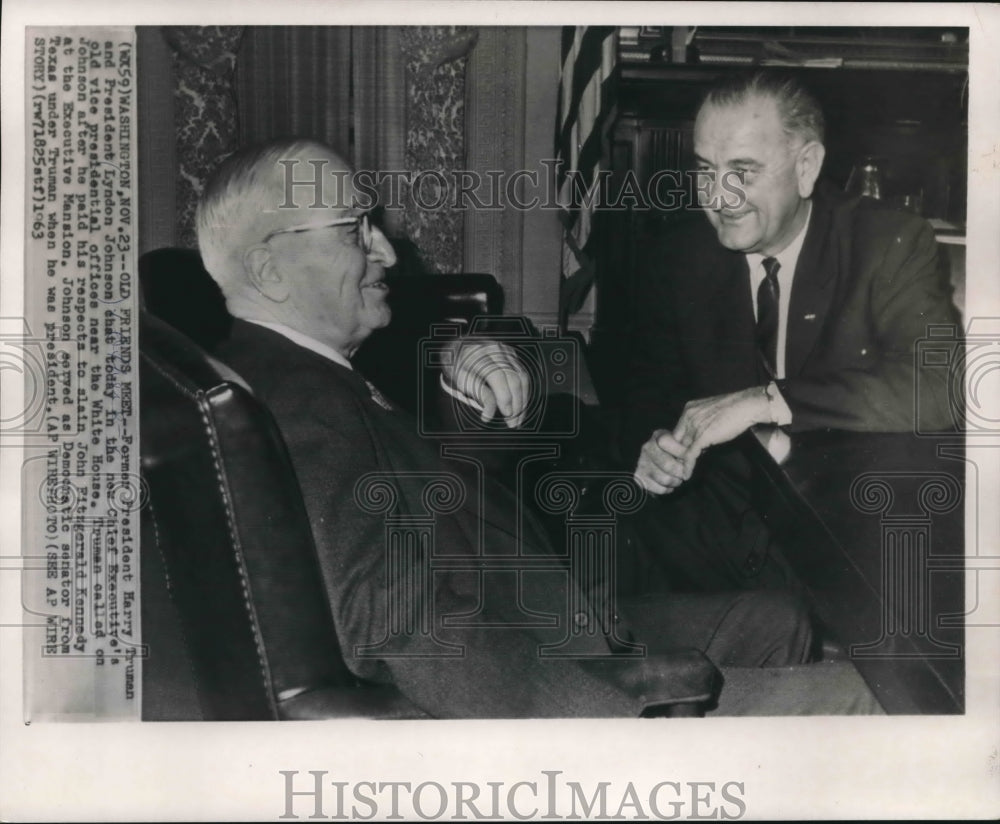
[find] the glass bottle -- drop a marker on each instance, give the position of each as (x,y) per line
(867,178)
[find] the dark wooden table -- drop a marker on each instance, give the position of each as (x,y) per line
(873,525)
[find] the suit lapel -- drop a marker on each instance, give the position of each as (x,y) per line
(812,287)
(734,362)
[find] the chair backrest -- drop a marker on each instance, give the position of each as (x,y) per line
(227,521)
(177,289)
(227,527)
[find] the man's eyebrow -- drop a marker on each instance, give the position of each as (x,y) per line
(736,161)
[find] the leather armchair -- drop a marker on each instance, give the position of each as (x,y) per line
(226,534)
(235,617)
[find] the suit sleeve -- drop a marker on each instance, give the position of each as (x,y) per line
(484,672)
(907,295)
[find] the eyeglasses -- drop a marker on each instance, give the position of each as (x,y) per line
(365,237)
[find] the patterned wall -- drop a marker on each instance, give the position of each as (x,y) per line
(205,111)
(436,58)
(435,61)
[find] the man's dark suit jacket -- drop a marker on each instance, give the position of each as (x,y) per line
(866,287)
(337,433)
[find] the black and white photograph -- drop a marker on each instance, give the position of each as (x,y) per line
(554,418)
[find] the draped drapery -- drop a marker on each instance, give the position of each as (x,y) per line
(296,81)
(495,139)
(386,98)
(380,102)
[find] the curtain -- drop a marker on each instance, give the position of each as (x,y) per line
(379,107)
(387,98)
(296,80)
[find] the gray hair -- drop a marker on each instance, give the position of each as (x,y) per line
(237,194)
(800,113)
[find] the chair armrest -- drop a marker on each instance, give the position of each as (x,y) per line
(379,701)
(693,679)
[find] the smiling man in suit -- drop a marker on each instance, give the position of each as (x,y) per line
(791,305)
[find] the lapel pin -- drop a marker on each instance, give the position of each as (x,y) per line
(809,317)
(378,397)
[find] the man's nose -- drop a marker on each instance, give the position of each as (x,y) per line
(709,190)
(381,251)
(729,191)
(717,194)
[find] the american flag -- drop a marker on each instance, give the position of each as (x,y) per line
(586,106)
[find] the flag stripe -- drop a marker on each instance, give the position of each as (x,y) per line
(586,105)
(587,60)
(587,160)
(570,49)
(582,147)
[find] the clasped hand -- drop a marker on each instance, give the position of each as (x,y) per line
(668,458)
(491,374)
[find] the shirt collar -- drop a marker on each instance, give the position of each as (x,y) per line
(304,341)
(789,256)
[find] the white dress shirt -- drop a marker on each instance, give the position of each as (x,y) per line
(787,259)
(304,341)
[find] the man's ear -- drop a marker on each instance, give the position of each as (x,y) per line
(263,274)
(807,166)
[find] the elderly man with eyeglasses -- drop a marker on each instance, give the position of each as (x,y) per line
(314,273)
(304,279)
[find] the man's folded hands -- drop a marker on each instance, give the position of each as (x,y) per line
(668,458)
(489,376)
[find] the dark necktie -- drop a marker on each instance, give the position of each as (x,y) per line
(767,316)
